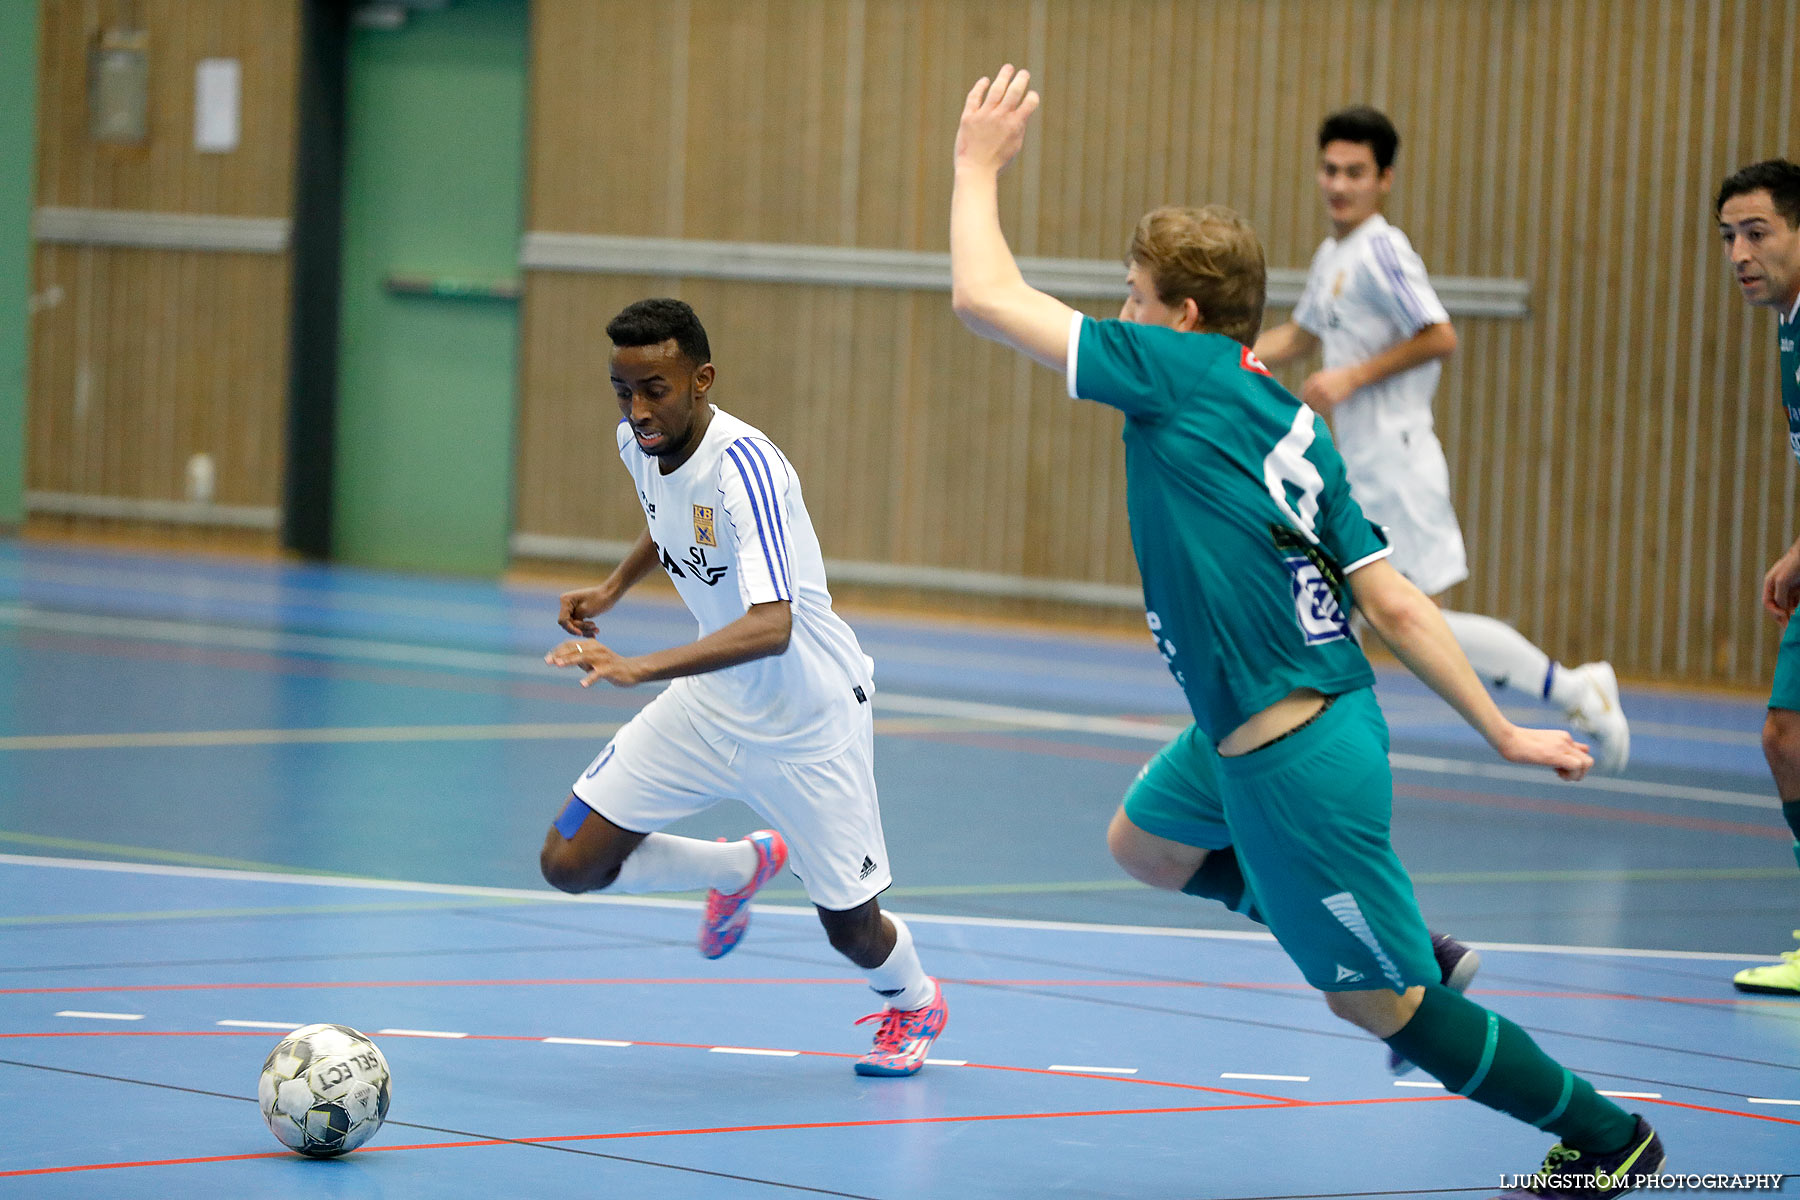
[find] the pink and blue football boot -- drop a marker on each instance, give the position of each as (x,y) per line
(728,913)
(904,1037)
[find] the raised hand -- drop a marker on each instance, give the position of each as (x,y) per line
(994,118)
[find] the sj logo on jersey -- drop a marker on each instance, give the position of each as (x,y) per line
(703,527)
(1315,605)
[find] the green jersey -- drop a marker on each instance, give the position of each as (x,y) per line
(1788,327)
(1241,518)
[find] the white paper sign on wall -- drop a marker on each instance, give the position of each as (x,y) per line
(217,84)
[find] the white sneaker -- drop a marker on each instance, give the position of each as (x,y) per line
(1599,716)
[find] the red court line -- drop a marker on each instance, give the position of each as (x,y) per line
(1598,812)
(152,1162)
(1729,1112)
(781,1128)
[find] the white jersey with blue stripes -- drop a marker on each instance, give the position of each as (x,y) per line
(731,529)
(1364,293)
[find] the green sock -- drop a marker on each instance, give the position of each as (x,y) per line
(1482,1055)
(1791,810)
(1220,878)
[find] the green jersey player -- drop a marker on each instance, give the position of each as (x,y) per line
(1758,209)
(1251,549)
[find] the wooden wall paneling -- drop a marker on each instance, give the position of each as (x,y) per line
(880,126)
(601,116)
(724,150)
(1682,420)
(1661,520)
(1704,644)
(1753,533)
(1652,528)
(165,173)
(1627,243)
(946,514)
(893,384)
(120,400)
(150,356)
(1552,533)
(1643,551)
(1726,544)
(1589,385)
(1526,214)
(1695,642)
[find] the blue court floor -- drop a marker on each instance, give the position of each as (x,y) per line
(236,797)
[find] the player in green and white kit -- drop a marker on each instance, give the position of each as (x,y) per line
(1758,209)
(1251,549)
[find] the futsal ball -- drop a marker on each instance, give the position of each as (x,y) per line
(324,1090)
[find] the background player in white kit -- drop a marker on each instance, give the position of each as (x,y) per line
(771,704)
(1385,334)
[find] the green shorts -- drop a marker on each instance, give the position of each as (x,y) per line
(1309,817)
(1786,692)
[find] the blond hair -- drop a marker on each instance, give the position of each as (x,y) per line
(1210,256)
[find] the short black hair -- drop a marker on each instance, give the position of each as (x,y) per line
(1777,176)
(652,322)
(1360,123)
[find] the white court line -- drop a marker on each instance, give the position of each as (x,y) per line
(1631,1095)
(1095,1070)
(289,1026)
(1599,783)
(100,1016)
(584,1042)
(749,1050)
(547,896)
(429,1033)
(1419,1083)
(1000,714)
(946,1062)
(1271,1078)
(328,736)
(1769,1100)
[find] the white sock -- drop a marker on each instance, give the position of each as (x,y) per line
(1503,656)
(900,980)
(663,862)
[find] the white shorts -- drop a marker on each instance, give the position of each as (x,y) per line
(663,766)
(1405,488)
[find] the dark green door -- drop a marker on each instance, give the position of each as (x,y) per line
(433,191)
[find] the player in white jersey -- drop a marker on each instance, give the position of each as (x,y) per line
(770,704)
(1370,304)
